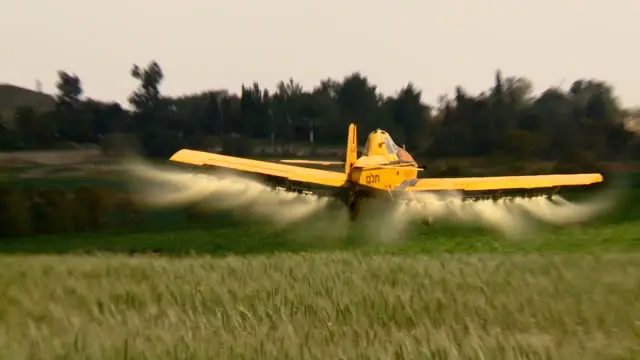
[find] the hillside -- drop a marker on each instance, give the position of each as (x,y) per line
(12,97)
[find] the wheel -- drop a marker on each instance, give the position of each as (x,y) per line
(354,205)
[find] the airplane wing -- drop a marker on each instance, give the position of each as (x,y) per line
(375,167)
(294,173)
(499,182)
(313,162)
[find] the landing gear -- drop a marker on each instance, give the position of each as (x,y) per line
(353,201)
(354,205)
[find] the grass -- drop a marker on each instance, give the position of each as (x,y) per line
(239,239)
(321,306)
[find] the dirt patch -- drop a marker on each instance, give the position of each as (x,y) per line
(52,157)
(72,171)
(622,167)
(57,163)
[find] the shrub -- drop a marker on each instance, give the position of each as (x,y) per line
(52,212)
(121,144)
(91,206)
(577,161)
(525,144)
(15,218)
(237,146)
(196,213)
(127,210)
(443,170)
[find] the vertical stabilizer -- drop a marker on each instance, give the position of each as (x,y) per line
(352,148)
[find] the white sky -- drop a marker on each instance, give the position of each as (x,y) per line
(212,44)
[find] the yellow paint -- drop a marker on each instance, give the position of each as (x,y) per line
(294,173)
(379,178)
(505,182)
(352,148)
(313,162)
(383,166)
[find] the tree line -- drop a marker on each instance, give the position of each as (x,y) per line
(505,120)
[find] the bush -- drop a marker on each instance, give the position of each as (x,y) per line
(91,206)
(15,217)
(127,211)
(577,161)
(121,144)
(525,144)
(196,213)
(52,212)
(443,170)
(237,146)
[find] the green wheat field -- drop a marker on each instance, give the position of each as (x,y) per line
(322,306)
(250,292)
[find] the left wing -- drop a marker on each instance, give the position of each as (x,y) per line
(499,182)
(295,173)
(313,162)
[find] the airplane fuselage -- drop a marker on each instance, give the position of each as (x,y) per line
(383,165)
(379,177)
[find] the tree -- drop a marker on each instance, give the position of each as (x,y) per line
(147,96)
(357,102)
(411,116)
(36,132)
(69,90)
(506,119)
(158,124)
(72,123)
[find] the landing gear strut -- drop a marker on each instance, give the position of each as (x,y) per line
(353,200)
(355,203)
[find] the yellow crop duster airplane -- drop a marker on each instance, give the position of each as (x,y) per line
(383,168)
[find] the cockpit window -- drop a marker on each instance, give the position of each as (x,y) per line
(391,146)
(391,149)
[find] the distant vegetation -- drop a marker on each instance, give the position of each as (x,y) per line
(582,125)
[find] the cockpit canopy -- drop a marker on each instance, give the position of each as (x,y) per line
(372,146)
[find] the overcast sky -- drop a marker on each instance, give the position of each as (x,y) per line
(209,44)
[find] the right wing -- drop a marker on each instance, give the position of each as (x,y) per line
(499,182)
(294,173)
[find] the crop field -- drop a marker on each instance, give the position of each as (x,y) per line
(227,288)
(322,306)
(243,292)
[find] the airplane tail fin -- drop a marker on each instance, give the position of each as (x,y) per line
(352,148)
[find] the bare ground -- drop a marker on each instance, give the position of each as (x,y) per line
(56,163)
(49,157)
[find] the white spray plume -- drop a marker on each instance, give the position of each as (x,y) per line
(160,187)
(513,217)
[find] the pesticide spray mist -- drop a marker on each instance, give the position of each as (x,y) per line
(160,187)
(512,217)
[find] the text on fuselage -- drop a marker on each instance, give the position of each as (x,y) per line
(372,179)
